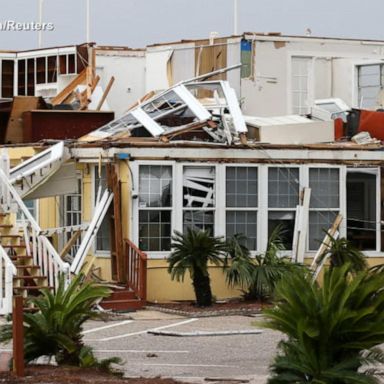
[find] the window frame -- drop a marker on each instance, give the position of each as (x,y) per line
(244,209)
(262,210)
(97,252)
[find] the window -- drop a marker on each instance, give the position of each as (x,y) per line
(300,85)
(324,204)
(155,207)
(103,238)
(362,224)
(32,208)
(242,203)
(283,197)
(72,216)
(370,84)
(199,198)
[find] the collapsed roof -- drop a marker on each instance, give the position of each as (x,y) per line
(193,110)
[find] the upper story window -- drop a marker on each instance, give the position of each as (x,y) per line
(370,79)
(300,79)
(155,207)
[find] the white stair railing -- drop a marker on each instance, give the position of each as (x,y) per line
(7,272)
(43,253)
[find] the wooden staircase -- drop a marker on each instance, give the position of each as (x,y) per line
(29,278)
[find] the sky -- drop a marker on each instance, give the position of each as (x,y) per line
(137,23)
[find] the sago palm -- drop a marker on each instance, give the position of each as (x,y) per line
(192,251)
(332,331)
(257,276)
(341,251)
(56,328)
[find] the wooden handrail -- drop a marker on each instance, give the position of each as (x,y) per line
(136,269)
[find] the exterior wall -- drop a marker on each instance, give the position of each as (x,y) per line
(332,72)
(128,68)
(161,288)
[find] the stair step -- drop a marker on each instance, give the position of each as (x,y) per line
(6,226)
(21,266)
(16,257)
(122,295)
(123,305)
(29,277)
(11,236)
(31,288)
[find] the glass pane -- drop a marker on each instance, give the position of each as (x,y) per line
(199,220)
(361,210)
(324,184)
(319,222)
(154,230)
(155,186)
(245,223)
(241,187)
(199,187)
(286,221)
(283,187)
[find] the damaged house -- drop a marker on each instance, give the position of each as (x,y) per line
(188,155)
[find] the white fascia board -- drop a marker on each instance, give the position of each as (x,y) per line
(234,108)
(90,155)
(7,55)
(46,52)
(150,124)
(193,104)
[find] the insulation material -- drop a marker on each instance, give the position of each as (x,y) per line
(157,73)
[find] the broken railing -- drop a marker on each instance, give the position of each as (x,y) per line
(136,269)
(37,245)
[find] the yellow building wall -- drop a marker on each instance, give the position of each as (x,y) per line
(160,287)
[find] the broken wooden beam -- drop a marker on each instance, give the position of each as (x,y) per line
(70,88)
(105,94)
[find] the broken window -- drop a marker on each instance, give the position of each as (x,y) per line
(324,204)
(199,198)
(103,238)
(283,197)
(242,203)
(362,208)
(370,83)
(300,85)
(155,207)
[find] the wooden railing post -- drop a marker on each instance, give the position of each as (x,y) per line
(136,272)
(18,336)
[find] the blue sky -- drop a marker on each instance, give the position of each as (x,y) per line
(136,23)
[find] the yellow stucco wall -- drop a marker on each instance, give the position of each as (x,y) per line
(160,287)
